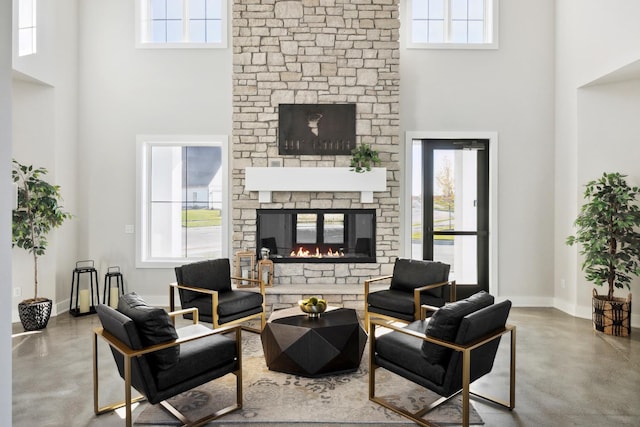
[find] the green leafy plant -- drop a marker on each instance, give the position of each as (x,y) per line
(363,158)
(39,211)
(607,230)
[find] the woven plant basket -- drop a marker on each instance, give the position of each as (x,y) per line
(35,315)
(613,317)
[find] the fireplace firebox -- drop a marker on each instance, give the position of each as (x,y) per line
(317,235)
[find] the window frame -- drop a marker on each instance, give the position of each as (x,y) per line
(144,143)
(492,15)
(143,30)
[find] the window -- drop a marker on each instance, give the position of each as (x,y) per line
(453,23)
(324,228)
(334,229)
(306,228)
(182,200)
(182,23)
(27,34)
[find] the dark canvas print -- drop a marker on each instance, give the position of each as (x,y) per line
(317,129)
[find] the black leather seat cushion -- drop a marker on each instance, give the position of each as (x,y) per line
(405,350)
(229,303)
(198,356)
(154,327)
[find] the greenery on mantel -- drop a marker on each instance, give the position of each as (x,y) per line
(39,211)
(363,158)
(608,231)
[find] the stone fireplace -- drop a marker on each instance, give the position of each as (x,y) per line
(316,52)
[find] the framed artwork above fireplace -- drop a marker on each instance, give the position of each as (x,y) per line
(316,129)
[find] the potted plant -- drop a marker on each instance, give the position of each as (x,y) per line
(38,212)
(363,158)
(607,230)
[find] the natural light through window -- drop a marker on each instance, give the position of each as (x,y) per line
(182,23)
(182,199)
(453,23)
(27,28)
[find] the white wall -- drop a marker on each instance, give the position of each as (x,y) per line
(6,203)
(124,92)
(45,135)
(609,141)
(593,123)
(508,91)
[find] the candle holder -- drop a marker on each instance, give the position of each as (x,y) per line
(110,293)
(245,263)
(265,271)
(82,306)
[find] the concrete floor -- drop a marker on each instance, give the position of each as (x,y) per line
(567,375)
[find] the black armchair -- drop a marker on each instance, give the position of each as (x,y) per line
(206,285)
(160,361)
(445,353)
(414,283)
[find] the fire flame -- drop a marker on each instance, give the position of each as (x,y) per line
(306,253)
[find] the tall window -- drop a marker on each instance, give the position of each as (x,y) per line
(182,199)
(182,23)
(27,34)
(454,23)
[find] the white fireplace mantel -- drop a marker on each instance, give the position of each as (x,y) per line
(266,180)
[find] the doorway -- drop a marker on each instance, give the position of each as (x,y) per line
(450,208)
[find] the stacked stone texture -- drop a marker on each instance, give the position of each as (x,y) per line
(316,52)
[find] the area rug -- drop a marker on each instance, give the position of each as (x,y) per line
(277,398)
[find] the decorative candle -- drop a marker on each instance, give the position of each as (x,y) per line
(245,275)
(113,297)
(265,276)
(84,300)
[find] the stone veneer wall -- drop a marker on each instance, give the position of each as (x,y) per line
(316,52)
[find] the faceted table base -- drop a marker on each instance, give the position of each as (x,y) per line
(330,344)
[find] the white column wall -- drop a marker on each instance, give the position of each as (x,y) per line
(508,91)
(595,128)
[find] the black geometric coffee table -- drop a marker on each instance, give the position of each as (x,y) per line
(296,344)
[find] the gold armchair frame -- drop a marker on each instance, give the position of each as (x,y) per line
(418,311)
(214,304)
(466,373)
(128,355)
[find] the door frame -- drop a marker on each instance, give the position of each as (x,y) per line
(493,191)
